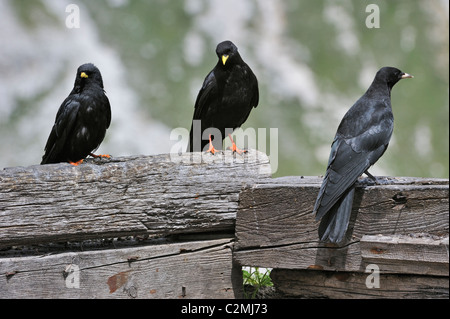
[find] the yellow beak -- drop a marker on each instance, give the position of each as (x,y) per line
(225,58)
(84,75)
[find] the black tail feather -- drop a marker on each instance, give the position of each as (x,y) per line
(334,224)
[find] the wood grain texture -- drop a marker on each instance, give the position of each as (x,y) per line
(401,226)
(201,269)
(352,285)
(156,195)
(427,255)
(275,227)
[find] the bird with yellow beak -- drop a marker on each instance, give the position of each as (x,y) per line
(81,121)
(228,94)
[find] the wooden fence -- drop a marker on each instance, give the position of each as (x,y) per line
(182,226)
(397,239)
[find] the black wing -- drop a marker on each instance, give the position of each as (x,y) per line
(351,156)
(107,110)
(206,96)
(252,82)
(344,167)
(255,90)
(206,99)
(64,124)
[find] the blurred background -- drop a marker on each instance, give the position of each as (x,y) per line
(313,60)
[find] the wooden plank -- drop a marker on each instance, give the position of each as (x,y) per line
(156,195)
(275,227)
(201,269)
(426,255)
(340,285)
(302,256)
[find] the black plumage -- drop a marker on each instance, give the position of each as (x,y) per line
(361,139)
(81,121)
(228,94)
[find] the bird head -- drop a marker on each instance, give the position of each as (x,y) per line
(391,75)
(88,73)
(227,53)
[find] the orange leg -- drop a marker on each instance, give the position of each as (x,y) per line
(234,148)
(101,155)
(211,148)
(76,163)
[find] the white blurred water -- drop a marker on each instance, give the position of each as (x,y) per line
(38,66)
(300,97)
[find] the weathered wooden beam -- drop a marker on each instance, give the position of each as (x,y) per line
(427,255)
(156,195)
(353,285)
(200,269)
(275,227)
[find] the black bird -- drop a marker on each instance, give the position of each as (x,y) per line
(81,121)
(361,139)
(224,102)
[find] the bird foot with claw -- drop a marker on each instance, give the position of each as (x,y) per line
(233,148)
(100,156)
(371,181)
(76,163)
(211,150)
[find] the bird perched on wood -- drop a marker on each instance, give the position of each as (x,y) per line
(361,139)
(228,94)
(81,121)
